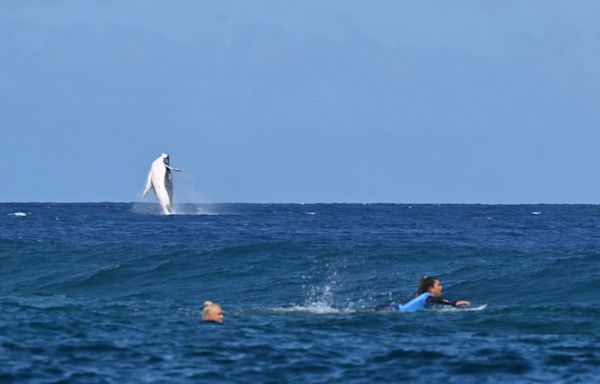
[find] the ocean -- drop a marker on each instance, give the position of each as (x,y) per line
(113,293)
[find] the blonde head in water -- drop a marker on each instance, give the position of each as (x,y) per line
(212,312)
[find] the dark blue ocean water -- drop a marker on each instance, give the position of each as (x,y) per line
(105,292)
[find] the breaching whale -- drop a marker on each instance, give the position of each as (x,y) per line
(161,181)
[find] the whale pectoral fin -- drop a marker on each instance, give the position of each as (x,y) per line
(173,168)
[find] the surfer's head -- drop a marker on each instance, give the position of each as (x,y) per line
(212,312)
(430,284)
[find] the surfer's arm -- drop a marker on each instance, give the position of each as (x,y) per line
(433,300)
(148,184)
(441,301)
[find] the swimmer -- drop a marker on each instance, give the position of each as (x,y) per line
(429,293)
(212,312)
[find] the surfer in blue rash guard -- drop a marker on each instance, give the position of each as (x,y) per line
(429,293)
(432,285)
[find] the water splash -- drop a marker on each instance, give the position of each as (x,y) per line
(182,209)
(313,308)
(195,209)
(146,209)
(321,297)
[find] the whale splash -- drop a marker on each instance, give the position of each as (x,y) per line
(161,180)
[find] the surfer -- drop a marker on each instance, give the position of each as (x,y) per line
(212,312)
(429,293)
(432,285)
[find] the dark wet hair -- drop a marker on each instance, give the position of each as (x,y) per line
(425,283)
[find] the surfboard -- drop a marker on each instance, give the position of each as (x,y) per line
(461,309)
(478,308)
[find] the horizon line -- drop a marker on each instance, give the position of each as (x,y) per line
(296,203)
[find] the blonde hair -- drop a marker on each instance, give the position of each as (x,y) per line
(208,306)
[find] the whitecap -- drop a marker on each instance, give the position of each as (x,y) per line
(536,213)
(18,214)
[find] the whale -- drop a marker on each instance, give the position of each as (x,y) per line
(161,180)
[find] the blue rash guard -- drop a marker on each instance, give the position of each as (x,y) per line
(416,304)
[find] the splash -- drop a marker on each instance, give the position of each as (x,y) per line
(146,209)
(182,209)
(320,301)
(313,308)
(321,297)
(195,209)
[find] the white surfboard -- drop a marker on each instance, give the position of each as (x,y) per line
(461,309)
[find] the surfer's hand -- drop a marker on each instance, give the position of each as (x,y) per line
(462,302)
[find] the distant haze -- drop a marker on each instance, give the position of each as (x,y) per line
(302,101)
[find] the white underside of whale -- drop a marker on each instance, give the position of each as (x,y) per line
(161,181)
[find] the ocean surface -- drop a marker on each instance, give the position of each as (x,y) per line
(112,293)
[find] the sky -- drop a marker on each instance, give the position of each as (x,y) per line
(493,102)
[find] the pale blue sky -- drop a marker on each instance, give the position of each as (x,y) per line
(302,101)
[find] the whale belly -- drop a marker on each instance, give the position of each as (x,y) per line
(163,188)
